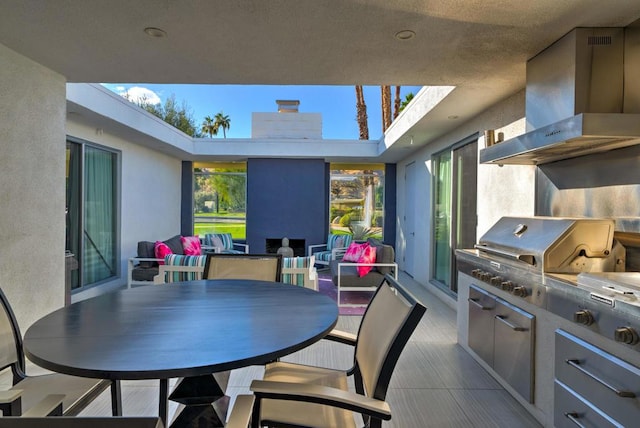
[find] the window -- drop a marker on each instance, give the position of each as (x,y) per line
(357,200)
(454,208)
(92,209)
(220,199)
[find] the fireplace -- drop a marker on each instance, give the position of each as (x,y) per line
(298,246)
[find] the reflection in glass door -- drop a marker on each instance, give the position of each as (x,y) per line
(454,208)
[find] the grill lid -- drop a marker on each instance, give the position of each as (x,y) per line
(551,244)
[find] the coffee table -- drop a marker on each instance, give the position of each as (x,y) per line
(194,330)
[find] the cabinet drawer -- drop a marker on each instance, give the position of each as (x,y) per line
(610,384)
(571,411)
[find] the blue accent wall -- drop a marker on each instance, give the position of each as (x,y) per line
(186,199)
(287,198)
(390,203)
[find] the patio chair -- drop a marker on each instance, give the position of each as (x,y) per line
(177,268)
(28,391)
(263,267)
(334,249)
(300,395)
(300,271)
(223,243)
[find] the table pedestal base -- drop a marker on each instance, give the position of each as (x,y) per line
(203,401)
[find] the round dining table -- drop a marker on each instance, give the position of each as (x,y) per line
(196,331)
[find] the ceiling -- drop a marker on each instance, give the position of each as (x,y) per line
(479,46)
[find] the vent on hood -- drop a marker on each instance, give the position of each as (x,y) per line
(578,101)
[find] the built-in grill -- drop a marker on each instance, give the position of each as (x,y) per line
(554,245)
(516,253)
(573,268)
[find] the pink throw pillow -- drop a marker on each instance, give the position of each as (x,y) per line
(161,249)
(191,245)
(354,252)
(368,256)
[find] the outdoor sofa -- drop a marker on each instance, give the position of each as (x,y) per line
(345,273)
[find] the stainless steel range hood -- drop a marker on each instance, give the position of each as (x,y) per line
(578,100)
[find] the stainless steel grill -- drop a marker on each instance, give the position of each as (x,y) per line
(573,268)
(555,245)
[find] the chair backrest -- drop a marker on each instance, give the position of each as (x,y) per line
(389,321)
(219,240)
(263,267)
(338,241)
(11,353)
(177,268)
(297,270)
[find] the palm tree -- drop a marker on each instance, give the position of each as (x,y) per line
(407,100)
(385,98)
(396,103)
(223,122)
(361,114)
(209,126)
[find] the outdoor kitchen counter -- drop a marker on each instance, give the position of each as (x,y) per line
(556,300)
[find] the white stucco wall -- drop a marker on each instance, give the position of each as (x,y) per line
(32,187)
(507,190)
(286,125)
(150,193)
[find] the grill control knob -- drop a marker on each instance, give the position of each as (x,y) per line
(626,335)
(486,276)
(519,291)
(496,281)
(583,317)
(476,273)
(507,286)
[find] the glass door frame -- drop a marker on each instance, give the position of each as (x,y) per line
(81,146)
(453,226)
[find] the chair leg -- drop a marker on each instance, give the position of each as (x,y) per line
(255,414)
(116,398)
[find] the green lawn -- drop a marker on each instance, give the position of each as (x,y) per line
(237,230)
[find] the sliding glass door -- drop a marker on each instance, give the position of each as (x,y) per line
(91,212)
(454,208)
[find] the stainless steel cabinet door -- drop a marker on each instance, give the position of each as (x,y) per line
(481,319)
(514,345)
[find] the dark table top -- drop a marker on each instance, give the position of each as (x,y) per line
(179,330)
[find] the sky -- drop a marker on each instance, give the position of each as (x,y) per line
(337,104)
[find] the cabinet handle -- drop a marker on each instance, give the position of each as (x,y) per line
(573,417)
(513,327)
(475,303)
(620,393)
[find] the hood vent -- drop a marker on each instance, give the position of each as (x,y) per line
(578,101)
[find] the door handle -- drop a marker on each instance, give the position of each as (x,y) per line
(475,303)
(573,417)
(513,327)
(619,392)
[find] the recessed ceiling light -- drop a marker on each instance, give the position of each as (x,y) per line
(405,35)
(155,32)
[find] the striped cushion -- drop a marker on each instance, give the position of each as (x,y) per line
(220,240)
(338,241)
(224,241)
(324,256)
(180,260)
(295,262)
